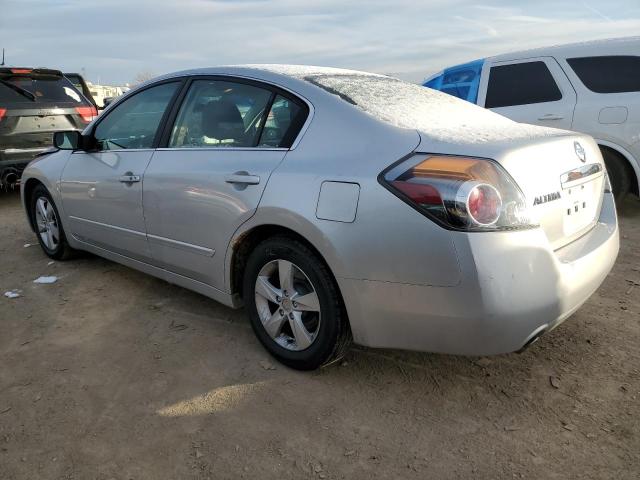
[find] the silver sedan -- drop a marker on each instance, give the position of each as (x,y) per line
(336,206)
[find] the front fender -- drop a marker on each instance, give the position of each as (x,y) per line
(46,170)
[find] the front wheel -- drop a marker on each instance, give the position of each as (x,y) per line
(47,223)
(294,305)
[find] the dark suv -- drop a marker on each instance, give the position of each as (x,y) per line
(35,103)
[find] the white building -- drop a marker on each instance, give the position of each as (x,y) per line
(100,92)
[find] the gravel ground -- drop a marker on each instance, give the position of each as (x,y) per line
(111,374)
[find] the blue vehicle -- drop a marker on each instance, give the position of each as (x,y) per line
(461,81)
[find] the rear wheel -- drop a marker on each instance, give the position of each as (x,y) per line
(48,226)
(294,305)
(619,174)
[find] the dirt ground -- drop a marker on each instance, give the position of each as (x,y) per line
(112,374)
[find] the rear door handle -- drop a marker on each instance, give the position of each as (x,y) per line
(129,177)
(551,116)
(242,178)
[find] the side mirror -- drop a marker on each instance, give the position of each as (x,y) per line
(106,101)
(69,140)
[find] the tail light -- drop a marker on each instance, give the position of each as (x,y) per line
(460,193)
(88,114)
(3,111)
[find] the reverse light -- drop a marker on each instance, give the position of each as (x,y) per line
(87,114)
(460,193)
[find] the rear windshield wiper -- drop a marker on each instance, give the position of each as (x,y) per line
(20,90)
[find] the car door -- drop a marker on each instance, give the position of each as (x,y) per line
(227,137)
(534,90)
(102,188)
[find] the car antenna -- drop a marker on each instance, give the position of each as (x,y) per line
(2,64)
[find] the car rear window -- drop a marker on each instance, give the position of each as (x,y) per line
(403,104)
(521,84)
(610,74)
(46,89)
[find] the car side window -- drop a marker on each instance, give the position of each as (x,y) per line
(521,84)
(133,123)
(220,113)
(283,123)
(608,74)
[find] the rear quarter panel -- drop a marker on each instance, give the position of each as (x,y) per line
(388,241)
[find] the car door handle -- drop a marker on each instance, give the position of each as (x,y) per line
(129,177)
(551,116)
(242,178)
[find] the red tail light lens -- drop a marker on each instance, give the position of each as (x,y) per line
(483,202)
(87,114)
(3,111)
(460,193)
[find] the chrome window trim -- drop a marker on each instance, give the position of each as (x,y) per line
(91,152)
(223,149)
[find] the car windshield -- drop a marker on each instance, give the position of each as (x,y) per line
(45,89)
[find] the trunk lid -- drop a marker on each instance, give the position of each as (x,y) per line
(563,181)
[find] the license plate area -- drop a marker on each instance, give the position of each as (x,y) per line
(582,197)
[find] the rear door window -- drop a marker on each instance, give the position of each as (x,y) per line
(521,84)
(282,123)
(608,74)
(219,113)
(222,113)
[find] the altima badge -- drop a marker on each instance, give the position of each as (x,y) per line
(549,197)
(580,152)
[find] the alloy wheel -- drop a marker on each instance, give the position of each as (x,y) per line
(288,305)
(47,223)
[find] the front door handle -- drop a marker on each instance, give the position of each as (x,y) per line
(242,178)
(551,116)
(129,177)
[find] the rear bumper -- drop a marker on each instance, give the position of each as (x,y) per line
(513,288)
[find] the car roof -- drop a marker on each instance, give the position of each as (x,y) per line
(609,46)
(295,71)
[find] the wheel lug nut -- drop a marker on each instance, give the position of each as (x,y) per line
(278,299)
(295,304)
(286,294)
(282,313)
(291,316)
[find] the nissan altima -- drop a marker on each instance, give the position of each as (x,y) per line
(336,206)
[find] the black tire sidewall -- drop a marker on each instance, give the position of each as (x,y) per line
(57,253)
(325,342)
(618,176)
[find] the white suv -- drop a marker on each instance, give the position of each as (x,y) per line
(591,87)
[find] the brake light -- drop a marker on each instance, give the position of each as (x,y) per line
(87,114)
(460,193)
(3,111)
(20,70)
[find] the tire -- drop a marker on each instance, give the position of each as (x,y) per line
(54,245)
(326,336)
(619,175)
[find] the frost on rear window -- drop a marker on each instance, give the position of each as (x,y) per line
(438,115)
